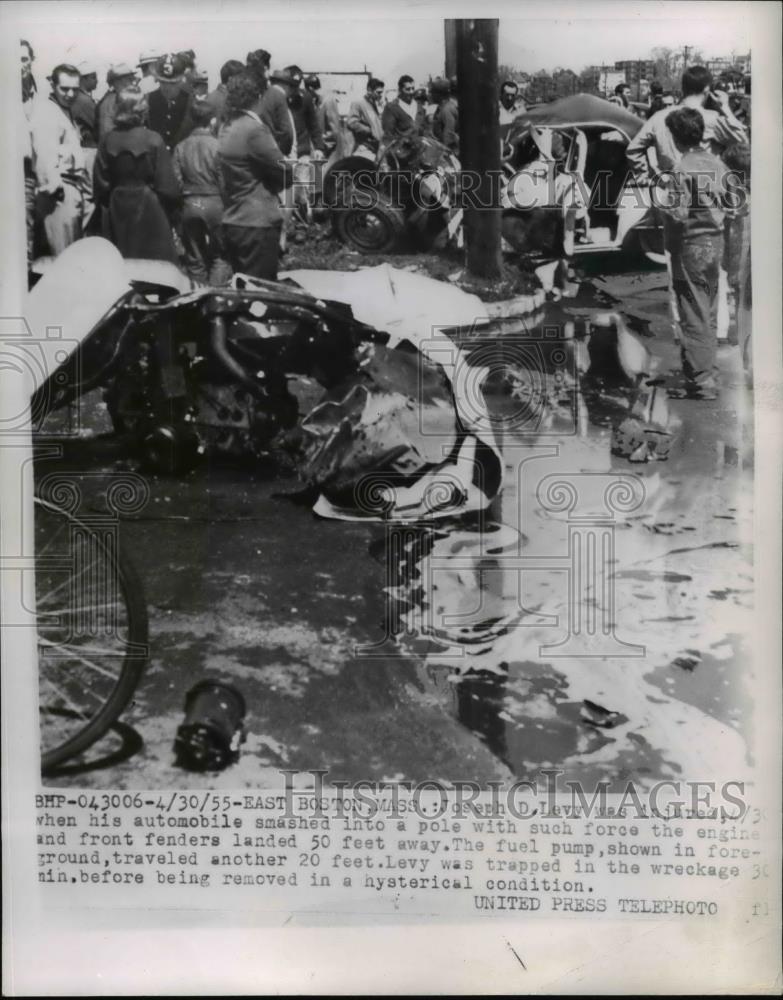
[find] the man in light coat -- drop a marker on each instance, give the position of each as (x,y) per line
(62,184)
(364,120)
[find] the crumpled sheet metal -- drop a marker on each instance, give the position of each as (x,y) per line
(413,310)
(407,306)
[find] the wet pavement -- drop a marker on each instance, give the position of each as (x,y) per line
(484,649)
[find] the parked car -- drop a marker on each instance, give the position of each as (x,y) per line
(407,194)
(576,144)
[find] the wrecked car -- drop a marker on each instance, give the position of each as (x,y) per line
(407,194)
(393,428)
(568,190)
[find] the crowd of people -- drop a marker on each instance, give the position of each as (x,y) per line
(168,169)
(694,146)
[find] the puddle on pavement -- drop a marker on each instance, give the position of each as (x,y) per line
(477,608)
(485,608)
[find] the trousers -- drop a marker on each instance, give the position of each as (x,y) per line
(695,279)
(64,224)
(202,238)
(253,250)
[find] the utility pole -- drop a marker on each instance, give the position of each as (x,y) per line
(685,53)
(450,31)
(479,143)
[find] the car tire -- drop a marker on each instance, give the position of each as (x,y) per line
(377,227)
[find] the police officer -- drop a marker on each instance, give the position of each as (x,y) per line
(169,105)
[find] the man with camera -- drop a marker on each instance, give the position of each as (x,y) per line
(721,128)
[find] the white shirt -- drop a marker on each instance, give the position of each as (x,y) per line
(57,144)
(410,108)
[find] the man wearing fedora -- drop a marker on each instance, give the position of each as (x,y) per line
(170,105)
(119,78)
(147,63)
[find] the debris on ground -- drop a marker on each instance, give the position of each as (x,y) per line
(408,436)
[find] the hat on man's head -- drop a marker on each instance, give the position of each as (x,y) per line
(284,76)
(170,69)
(118,70)
(313,82)
(149,57)
(440,86)
(87,68)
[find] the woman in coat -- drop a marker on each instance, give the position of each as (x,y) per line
(135,184)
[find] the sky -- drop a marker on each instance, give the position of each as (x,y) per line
(406,38)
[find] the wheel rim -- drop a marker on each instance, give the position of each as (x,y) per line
(368,230)
(84,627)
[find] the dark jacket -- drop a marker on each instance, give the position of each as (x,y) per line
(307,122)
(171,121)
(84,112)
(277,116)
(105,113)
(134,183)
(253,172)
(396,121)
(196,163)
(445,124)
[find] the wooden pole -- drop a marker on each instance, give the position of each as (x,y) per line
(479,143)
(450,33)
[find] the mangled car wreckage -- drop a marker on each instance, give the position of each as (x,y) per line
(568,189)
(187,371)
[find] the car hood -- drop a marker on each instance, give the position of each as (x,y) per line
(579,111)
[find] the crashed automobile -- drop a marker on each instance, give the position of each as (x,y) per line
(394,427)
(567,188)
(407,194)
